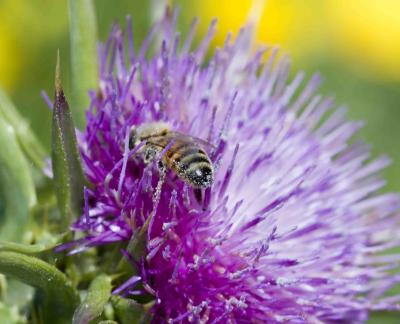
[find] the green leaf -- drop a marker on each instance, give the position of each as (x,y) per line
(83,38)
(17,294)
(3,287)
(130,312)
(26,137)
(41,251)
(23,248)
(98,295)
(61,297)
(17,191)
(67,168)
(10,315)
(383,317)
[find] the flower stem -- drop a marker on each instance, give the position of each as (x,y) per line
(83,38)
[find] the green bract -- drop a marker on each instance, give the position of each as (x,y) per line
(67,169)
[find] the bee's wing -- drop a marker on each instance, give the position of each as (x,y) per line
(180,137)
(160,142)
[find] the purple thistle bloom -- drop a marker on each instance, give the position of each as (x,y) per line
(291,227)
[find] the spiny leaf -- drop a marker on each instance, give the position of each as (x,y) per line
(61,297)
(17,191)
(67,168)
(83,38)
(26,137)
(98,295)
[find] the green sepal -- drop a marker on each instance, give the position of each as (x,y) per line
(97,296)
(84,67)
(17,191)
(24,134)
(136,247)
(67,168)
(130,312)
(59,297)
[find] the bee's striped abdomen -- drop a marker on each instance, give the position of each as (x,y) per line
(191,163)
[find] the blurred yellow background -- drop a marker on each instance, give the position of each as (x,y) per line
(355,44)
(364,34)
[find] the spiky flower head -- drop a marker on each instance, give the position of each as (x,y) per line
(289,230)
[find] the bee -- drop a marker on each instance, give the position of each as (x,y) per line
(186,156)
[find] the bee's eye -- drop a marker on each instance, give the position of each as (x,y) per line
(131,142)
(132,138)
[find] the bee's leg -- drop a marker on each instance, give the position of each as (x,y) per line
(161,166)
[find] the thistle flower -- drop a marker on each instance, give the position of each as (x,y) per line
(290,228)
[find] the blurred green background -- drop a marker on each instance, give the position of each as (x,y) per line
(355,44)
